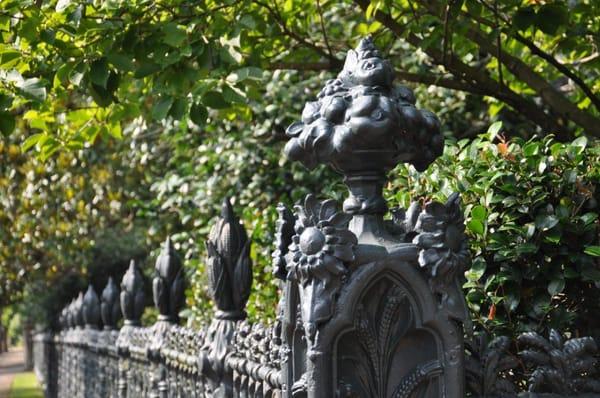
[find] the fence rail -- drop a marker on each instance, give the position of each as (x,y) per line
(369,307)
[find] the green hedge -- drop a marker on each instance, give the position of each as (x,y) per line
(531,209)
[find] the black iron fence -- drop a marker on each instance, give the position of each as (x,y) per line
(369,307)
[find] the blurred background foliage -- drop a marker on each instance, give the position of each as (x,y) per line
(126,121)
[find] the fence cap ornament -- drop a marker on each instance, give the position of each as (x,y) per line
(91,308)
(132,295)
(109,307)
(168,284)
(363,126)
(78,311)
(229,265)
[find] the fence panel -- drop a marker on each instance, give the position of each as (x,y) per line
(369,307)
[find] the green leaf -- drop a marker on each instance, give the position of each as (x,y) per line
(579,144)
(99,72)
(114,130)
(198,114)
(61,77)
(61,5)
(246,73)
(545,222)
(215,100)
(591,273)
(102,96)
(476,226)
(592,251)
(178,108)
(524,18)
(121,61)
(550,17)
(9,58)
(526,248)
(174,35)
(5,101)
(31,141)
(477,270)
(146,69)
(162,107)
(34,89)
(7,123)
(494,129)
(531,149)
(479,212)
(473,6)
(589,218)
(233,95)
(48,147)
(556,286)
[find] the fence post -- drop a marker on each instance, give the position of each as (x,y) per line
(132,307)
(77,347)
(229,278)
(110,312)
(168,286)
(371,307)
(89,340)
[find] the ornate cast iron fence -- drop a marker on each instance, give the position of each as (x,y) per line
(369,307)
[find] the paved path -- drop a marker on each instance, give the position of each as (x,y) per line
(11,363)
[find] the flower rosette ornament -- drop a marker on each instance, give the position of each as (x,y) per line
(320,250)
(444,252)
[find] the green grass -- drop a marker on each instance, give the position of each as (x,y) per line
(25,385)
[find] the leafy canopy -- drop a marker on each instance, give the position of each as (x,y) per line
(74,71)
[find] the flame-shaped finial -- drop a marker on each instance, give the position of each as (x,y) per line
(229,265)
(168,285)
(132,295)
(110,307)
(91,308)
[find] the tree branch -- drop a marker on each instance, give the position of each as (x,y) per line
(555,100)
(321,20)
(280,21)
(423,78)
(487,85)
(540,53)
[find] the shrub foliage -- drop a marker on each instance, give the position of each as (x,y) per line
(532,216)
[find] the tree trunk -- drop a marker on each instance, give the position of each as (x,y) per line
(28,344)
(3,336)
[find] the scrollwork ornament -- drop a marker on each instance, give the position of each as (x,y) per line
(564,367)
(283,239)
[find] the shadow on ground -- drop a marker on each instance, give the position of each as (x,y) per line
(26,392)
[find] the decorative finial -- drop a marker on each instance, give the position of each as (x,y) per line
(283,238)
(363,126)
(69,315)
(110,308)
(229,265)
(91,308)
(168,284)
(132,295)
(78,311)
